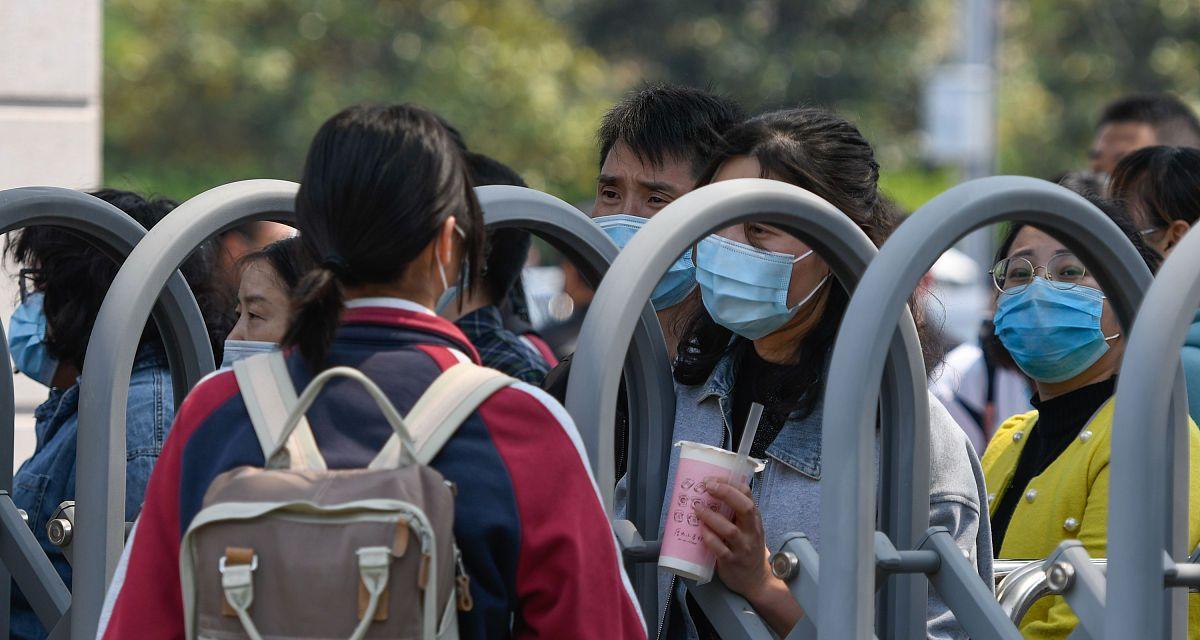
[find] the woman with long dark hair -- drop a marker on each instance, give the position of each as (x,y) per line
(771,311)
(386,210)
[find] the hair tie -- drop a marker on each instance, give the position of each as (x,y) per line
(337,265)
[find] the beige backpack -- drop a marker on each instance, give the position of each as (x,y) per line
(295,550)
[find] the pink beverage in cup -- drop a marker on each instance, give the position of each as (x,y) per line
(683,551)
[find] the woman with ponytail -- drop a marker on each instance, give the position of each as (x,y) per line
(387,212)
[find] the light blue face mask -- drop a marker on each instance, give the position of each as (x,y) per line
(744,288)
(241,349)
(1053,334)
(676,283)
(27,341)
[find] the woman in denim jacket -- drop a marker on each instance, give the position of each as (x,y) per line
(62,285)
(770,313)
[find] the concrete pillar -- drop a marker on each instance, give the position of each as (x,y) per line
(50,66)
(50,125)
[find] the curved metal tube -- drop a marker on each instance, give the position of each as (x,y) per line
(848,491)
(114,233)
(631,279)
(649,387)
(1022,587)
(1024,583)
(1148,503)
(105,384)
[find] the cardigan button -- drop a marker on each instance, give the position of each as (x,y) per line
(1086,435)
(1018,435)
(1071,524)
(1031,495)
(991,498)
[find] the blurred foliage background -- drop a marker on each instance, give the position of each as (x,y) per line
(198,94)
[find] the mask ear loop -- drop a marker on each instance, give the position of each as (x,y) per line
(815,290)
(1115,335)
(441,267)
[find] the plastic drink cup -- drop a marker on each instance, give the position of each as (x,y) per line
(683,551)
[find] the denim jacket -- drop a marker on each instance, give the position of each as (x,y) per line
(48,477)
(788,490)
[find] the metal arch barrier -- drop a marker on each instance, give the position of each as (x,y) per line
(1147,507)
(847,496)
(649,387)
(105,384)
(182,328)
(632,277)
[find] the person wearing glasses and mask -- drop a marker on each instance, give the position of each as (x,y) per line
(762,332)
(1048,470)
(63,282)
(1160,186)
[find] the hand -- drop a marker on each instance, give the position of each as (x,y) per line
(739,544)
(742,558)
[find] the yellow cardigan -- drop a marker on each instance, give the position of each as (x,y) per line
(1069,500)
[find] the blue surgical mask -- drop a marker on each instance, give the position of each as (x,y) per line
(676,283)
(745,288)
(1052,334)
(240,349)
(27,341)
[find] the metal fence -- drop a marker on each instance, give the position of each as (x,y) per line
(878,556)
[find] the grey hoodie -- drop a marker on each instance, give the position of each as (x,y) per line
(788,489)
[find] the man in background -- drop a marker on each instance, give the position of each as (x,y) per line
(1142,120)
(654,147)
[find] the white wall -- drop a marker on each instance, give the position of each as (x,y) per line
(50,93)
(50,126)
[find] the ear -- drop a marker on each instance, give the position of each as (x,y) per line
(1174,233)
(445,242)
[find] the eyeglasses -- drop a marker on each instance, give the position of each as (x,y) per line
(1012,275)
(27,282)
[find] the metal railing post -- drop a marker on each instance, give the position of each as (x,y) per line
(848,509)
(1148,502)
(114,233)
(104,387)
(650,390)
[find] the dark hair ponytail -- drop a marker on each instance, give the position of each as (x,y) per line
(379,182)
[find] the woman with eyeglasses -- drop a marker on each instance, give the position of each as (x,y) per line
(1161,188)
(1047,470)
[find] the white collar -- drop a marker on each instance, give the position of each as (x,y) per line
(390,303)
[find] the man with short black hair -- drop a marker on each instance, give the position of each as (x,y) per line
(654,147)
(1141,120)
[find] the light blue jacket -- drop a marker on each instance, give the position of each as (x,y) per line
(788,490)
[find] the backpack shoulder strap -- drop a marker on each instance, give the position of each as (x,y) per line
(444,406)
(267,391)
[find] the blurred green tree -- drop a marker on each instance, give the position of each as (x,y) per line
(202,93)
(197,94)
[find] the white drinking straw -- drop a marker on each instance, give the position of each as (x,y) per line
(748,433)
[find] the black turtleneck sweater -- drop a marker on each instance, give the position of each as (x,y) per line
(1058,423)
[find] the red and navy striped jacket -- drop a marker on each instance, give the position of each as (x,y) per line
(537,545)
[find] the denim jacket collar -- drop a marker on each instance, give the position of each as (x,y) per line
(798,444)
